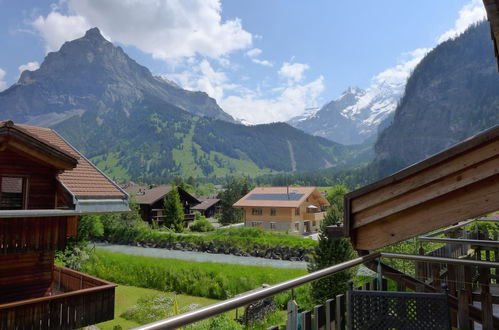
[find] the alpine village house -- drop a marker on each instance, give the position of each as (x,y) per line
(45,184)
(293,209)
(151,202)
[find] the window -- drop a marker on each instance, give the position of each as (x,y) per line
(297,211)
(256,224)
(297,226)
(12,193)
(256,211)
(272,225)
(273,212)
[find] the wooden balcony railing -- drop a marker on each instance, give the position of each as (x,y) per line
(314,216)
(77,300)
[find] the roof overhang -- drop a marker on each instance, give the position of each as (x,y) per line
(492,8)
(459,183)
(15,138)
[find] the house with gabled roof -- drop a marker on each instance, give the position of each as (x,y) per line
(151,201)
(294,209)
(45,184)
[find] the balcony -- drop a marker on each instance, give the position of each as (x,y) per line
(314,216)
(452,286)
(77,300)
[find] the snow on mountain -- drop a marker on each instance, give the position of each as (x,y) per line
(355,115)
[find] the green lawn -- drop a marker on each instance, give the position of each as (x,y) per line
(127,296)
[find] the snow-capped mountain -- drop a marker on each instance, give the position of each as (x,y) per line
(355,115)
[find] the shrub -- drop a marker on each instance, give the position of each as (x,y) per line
(202,225)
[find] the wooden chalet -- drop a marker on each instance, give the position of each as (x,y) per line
(151,201)
(45,184)
(209,207)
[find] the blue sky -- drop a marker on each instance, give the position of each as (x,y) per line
(263,60)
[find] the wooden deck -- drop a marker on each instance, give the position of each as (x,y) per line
(76,300)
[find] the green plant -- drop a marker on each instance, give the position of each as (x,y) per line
(202,225)
(149,309)
(174,212)
(202,279)
(331,251)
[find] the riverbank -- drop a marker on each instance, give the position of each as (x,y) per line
(201,256)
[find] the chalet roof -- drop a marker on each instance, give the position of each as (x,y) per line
(84,180)
(148,194)
(456,184)
(205,204)
(151,194)
(279,197)
(17,137)
(492,8)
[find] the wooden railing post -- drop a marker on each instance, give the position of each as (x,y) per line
(319,317)
(340,312)
(330,314)
(463,311)
(451,284)
(435,272)
(486,299)
(291,322)
(306,320)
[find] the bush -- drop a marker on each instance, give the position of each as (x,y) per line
(202,225)
(149,309)
(253,241)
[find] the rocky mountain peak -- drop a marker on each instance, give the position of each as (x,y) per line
(94,33)
(92,74)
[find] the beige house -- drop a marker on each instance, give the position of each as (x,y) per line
(296,209)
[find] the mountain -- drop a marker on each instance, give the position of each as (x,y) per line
(135,126)
(452,94)
(90,73)
(353,117)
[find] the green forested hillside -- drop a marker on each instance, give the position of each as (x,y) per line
(158,141)
(451,95)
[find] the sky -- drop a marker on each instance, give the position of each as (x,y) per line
(262,60)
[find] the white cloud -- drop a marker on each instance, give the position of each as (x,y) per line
(31,66)
(262,62)
(254,106)
(166,29)
(471,13)
(56,29)
(397,76)
(3,84)
(254,52)
(293,71)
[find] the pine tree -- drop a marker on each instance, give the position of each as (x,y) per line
(331,251)
(174,212)
(235,189)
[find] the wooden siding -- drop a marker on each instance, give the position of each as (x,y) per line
(84,300)
(25,275)
(41,185)
(24,235)
(459,183)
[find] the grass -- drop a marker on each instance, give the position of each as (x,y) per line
(127,296)
(202,279)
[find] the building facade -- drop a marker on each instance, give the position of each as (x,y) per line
(293,209)
(45,184)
